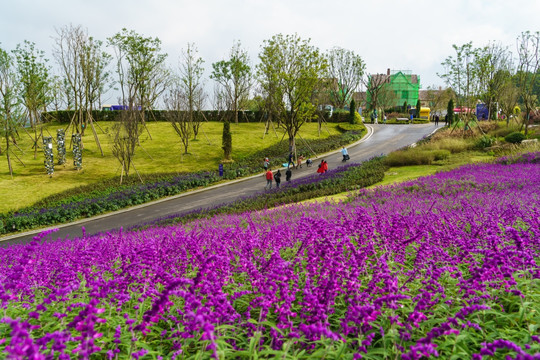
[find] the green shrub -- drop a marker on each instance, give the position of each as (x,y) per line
(352,127)
(502,131)
(485,141)
(410,157)
(441,154)
(514,138)
(455,145)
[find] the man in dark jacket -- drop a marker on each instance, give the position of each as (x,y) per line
(277,178)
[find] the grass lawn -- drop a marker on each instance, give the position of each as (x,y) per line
(162,153)
(406,173)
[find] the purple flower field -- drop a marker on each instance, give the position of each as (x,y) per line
(444,266)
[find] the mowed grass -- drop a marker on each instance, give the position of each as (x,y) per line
(160,151)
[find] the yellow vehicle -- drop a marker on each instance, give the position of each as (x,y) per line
(424,113)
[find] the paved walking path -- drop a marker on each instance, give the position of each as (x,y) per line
(381,139)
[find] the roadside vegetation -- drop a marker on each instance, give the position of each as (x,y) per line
(163,154)
(97,189)
(447,149)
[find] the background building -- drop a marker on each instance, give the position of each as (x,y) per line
(393,89)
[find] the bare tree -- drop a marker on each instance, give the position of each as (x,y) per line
(177,105)
(126,135)
(437,99)
(84,66)
(375,84)
(386,97)
(192,85)
(528,46)
(347,69)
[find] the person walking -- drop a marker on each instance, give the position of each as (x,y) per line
(325,166)
(266,163)
(345,154)
(299,162)
(436,120)
(269,178)
(291,160)
(288,174)
(277,178)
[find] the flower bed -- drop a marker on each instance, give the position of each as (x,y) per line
(445,266)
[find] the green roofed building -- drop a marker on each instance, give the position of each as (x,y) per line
(396,88)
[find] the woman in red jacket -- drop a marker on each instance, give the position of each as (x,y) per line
(323,167)
(269,178)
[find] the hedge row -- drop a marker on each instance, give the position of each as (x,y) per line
(108,196)
(65,116)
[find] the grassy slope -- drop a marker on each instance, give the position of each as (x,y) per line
(162,153)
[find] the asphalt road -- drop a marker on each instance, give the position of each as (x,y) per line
(382,139)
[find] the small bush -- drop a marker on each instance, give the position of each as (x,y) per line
(514,138)
(484,142)
(453,144)
(502,131)
(409,157)
(441,155)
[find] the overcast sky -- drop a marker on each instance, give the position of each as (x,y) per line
(414,35)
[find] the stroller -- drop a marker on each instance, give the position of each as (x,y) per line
(346,157)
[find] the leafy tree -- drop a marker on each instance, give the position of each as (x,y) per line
(234,76)
(493,67)
(289,73)
(345,70)
(191,85)
(460,74)
(10,105)
(33,75)
(508,99)
(141,70)
(418,108)
(528,69)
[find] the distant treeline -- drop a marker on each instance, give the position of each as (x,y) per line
(65,116)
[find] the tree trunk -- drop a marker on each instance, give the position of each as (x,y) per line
(292,144)
(7,155)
